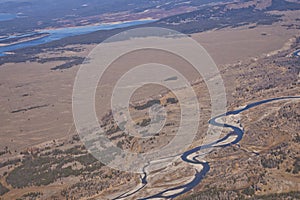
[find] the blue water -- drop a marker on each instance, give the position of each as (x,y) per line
(297,53)
(206,167)
(7,16)
(57,34)
(14,36)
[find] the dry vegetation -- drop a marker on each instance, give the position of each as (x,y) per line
(36,110)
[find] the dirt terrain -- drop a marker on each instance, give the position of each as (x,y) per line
(40,144)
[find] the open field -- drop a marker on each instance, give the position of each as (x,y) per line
(37,85)
(229,46)
(238,170)
(42,157)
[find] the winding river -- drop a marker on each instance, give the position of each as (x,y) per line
(191,156)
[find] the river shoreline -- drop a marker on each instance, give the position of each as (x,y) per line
(60,33)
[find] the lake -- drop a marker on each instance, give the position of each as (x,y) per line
(7,16)
(60,33)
